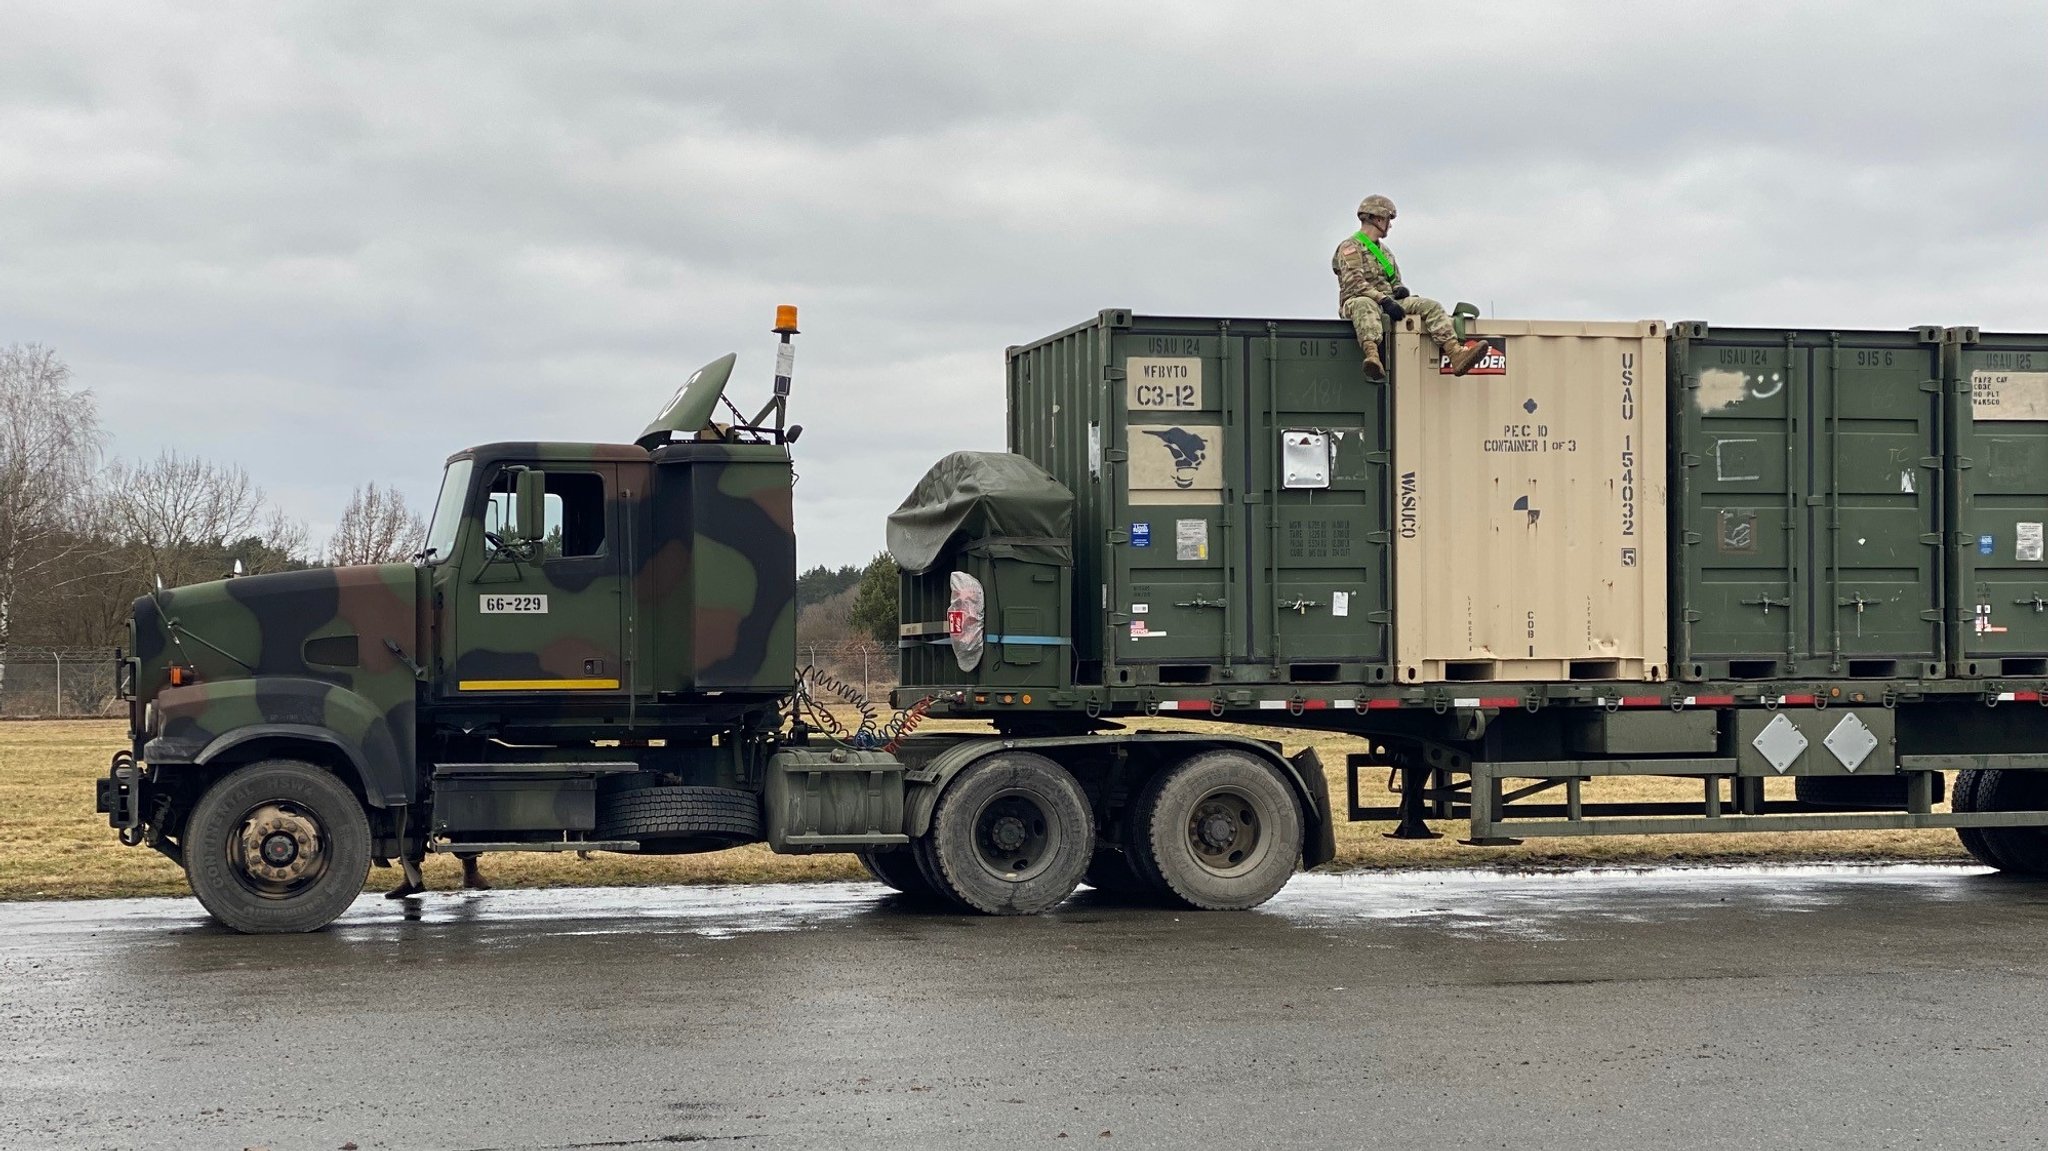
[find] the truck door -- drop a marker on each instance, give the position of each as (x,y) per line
(544,616)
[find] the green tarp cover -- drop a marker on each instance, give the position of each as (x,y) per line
(1004,504)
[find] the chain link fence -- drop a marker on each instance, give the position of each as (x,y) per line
(870,666)
(46,683)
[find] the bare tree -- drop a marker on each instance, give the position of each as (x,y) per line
(49,450)
(375,528)
(192,519)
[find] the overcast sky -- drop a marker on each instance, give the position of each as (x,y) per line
(333,243)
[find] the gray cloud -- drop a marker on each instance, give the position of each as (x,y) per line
(334,243)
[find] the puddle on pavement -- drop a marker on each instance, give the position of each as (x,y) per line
(1522,904)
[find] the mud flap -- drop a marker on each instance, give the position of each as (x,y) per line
(1319,845)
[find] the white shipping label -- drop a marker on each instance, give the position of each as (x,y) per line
(2009,395)
(512,604)
(1340,603)
(1191,539)
(1140,608)
(1163,383)
(1094,449)
(2028,549)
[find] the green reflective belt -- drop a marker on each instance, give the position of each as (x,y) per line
(1379,255)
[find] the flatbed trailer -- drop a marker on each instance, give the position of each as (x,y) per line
(1513,759)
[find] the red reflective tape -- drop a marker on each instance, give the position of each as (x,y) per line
(1381,704)
(2026,697)
(1314,704)
(1713,700)
(1642,701)
(1796,700)
(1501,701)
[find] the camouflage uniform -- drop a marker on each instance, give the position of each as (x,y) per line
(1369,281)
(1362,284)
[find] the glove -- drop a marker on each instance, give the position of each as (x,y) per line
(1393,310)
(1400,291)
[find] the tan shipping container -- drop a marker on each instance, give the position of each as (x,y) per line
(1529,505)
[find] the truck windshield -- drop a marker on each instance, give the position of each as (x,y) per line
(448,511)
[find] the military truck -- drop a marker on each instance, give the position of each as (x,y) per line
(595,651)
(1798,574)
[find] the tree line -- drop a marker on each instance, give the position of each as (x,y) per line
(82,535)
(847,613)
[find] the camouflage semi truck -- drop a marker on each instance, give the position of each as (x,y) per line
(1798,576)
(596,652)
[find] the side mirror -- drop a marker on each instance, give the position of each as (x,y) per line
(529,507)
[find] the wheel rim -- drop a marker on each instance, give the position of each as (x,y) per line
(1014,838)
(1225,832)
(277,850)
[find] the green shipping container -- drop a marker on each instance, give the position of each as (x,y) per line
(1230,483)
(1806,499)
(1998,502)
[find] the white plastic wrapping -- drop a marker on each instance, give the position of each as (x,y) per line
(964,617)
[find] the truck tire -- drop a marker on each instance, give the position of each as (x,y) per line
(1220,831)
(2019,850)
(277,846)
(897,867)
(680,820)
(1964,799)
(1011,835)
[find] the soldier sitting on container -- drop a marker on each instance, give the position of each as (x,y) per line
(1369,283)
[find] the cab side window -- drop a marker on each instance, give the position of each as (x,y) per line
(572,519)
(574,524)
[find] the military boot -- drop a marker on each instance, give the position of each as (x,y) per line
(1462,359)
(414,882)
(1374,369)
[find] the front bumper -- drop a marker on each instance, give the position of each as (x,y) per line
(118,796)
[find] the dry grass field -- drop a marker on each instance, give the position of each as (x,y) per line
(54,846)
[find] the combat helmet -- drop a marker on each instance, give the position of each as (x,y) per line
(1376,206)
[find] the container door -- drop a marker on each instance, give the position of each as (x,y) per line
(1876,468)
(1998,387)
(1318,589)
(1736,396)
(1176,535)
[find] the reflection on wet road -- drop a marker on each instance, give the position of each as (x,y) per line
(1798,1007)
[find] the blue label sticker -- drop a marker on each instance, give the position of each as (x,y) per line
(1141,535)
(1986,544)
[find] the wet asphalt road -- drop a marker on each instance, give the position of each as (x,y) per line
(1804,1008)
